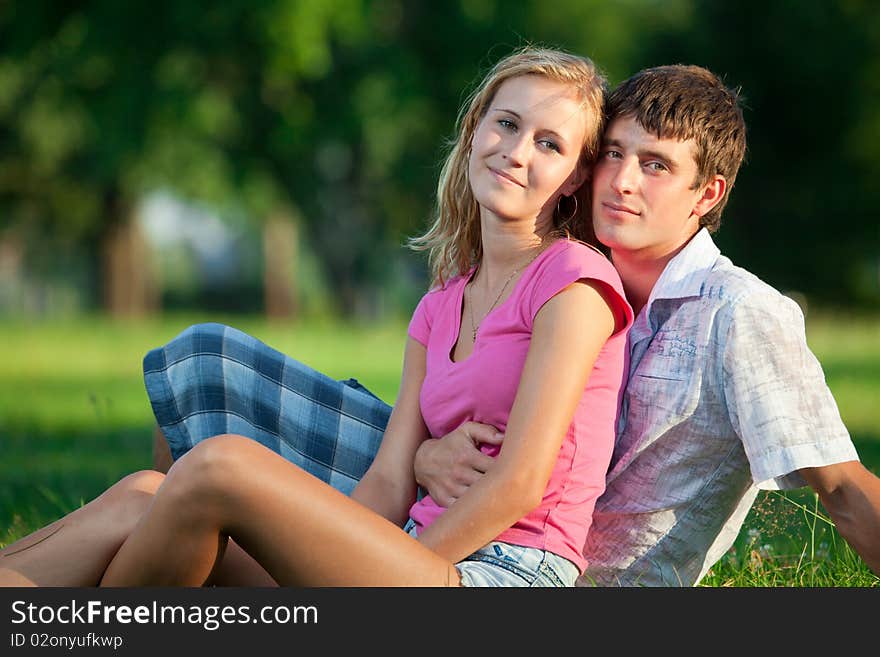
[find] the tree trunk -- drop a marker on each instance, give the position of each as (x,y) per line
(280,247)
(128,285)
(12,290)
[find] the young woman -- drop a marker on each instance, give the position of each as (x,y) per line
(523,330)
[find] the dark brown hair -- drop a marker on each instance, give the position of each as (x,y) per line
(688,102)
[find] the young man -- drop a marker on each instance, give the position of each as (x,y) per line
(724,396)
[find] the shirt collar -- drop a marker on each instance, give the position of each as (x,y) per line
(683,276)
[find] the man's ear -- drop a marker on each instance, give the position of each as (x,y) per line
(713,192)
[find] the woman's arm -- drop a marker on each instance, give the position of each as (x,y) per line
(389,486)
(567,335)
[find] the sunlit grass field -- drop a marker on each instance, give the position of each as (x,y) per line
(74,419)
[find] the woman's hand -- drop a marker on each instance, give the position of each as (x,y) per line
(446,467)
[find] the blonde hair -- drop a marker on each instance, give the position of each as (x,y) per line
(453,240)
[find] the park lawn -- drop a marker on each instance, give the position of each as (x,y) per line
(74,418)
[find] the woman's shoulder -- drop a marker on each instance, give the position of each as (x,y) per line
(448,285)
(575,245)
(434,308)
(441,291)
(572,260)
(568,253)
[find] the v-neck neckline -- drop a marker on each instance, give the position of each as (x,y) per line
(460,305)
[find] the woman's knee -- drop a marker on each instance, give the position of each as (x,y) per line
(211,467)
(138,485)
(143,481)
(122,505)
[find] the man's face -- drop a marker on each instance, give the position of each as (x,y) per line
(643,201)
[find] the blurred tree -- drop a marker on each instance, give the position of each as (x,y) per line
(332,115)
(102,101)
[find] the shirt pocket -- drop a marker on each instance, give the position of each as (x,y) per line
(666,384)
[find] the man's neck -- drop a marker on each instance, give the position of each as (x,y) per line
(640,270)
(638,278)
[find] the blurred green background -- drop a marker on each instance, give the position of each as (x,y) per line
(261,163)
(272,156)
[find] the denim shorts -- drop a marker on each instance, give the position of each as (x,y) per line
(504,564)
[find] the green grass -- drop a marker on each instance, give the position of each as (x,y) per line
(787,538)
(74,419)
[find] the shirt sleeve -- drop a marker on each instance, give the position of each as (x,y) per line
(420,323)
(777,398)
(579,262)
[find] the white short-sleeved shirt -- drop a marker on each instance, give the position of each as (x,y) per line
(724,398)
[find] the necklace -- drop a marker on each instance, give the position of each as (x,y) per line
(475,326)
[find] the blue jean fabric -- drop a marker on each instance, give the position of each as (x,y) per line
(213,379)
(504,564)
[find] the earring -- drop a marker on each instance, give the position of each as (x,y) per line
(559,208)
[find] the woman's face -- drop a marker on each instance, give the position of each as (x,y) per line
(526,149)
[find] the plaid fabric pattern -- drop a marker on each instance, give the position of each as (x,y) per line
(213,379)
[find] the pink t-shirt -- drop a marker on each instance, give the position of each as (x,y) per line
(482,387)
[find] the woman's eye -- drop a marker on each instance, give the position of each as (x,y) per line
(507,124)
(546,143)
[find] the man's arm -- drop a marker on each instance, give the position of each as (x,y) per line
(851,495)
(783,411)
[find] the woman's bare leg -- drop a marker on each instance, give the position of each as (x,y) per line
(75,550)
(237,568)
(302,531)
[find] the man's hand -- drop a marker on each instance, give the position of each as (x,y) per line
(447,466)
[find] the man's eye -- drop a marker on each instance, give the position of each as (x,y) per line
(657,166)
(612,155)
